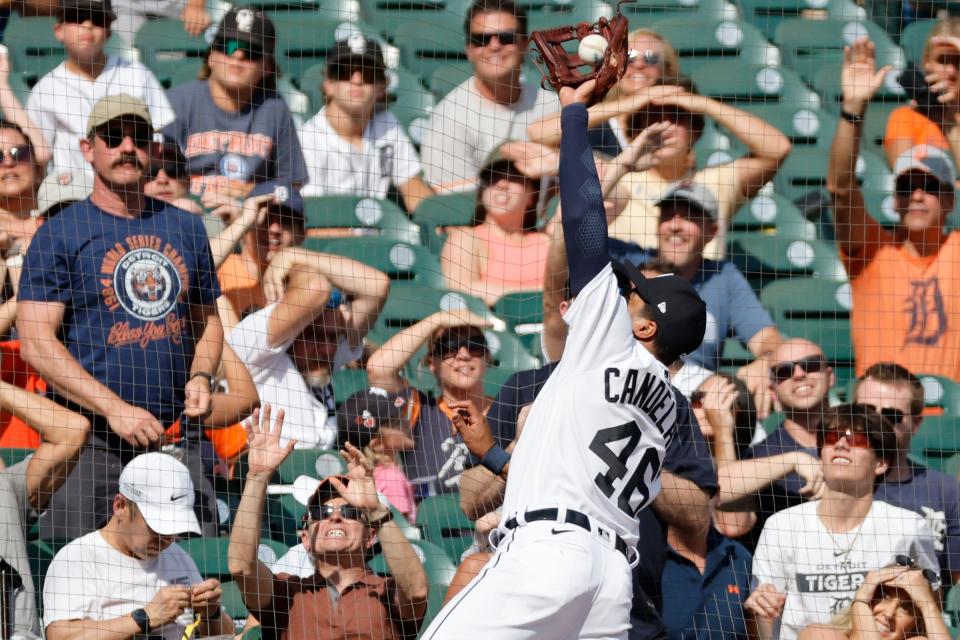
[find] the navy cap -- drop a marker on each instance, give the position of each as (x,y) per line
(290,199)
(680,313)
(361,416)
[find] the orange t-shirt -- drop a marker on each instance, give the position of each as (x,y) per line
(907,122)
(239,277)
(906,309)
(14,432)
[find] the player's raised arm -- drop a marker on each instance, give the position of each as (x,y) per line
(584,222)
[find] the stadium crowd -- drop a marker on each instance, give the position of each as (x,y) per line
(203,341)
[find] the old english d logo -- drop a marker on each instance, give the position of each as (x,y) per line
(928,318)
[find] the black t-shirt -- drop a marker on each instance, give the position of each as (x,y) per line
(688,456)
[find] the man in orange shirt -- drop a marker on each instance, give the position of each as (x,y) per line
(906,284)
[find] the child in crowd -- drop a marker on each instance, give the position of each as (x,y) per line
(379,423)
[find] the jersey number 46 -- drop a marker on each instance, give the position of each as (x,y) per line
(618,466)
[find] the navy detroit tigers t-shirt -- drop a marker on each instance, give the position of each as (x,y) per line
(127,285)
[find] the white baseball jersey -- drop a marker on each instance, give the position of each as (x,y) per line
(595,438)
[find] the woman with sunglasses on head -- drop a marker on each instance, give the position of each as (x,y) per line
(457,355)
(894,603)
(232,125)
(812,558)
(652,72)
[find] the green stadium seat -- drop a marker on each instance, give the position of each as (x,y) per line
(399,260)
(40,553)
(389,15)
(316,463)
(810,45)
(448,210)
(815,309)
(803,125)
(742,82)
(763,258)
(443,523)
(941,392)
(410,302)
(210,554)
(508,351)
(520,308)
(772,213)
(330,9)
(698,41)
(346,382)
(165,47)
(767,14)
(448,76)
(805,170)
(410,102)
(875,126)
(715,147)
(642,13)
(827,82)
(431,43)
(310,81)
(937,441)
(232,601)
(11,456)
(913,39)
(951,605)
(550,15)
(253,633)
(382,217)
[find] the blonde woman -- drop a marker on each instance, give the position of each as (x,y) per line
(651,73)
(893,603)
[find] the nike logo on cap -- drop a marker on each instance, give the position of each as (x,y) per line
(556,532)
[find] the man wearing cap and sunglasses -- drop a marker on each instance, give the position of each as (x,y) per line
(905,297)
(130,578)
(130,281)
(354,145)
(61,101)
(344,517)
(898,396)
(811,558)
(592,449)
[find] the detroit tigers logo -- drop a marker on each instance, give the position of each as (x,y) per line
(928,316)
(147,284)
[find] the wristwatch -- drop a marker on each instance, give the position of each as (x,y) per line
(382,520)
(211,379)
(142,619)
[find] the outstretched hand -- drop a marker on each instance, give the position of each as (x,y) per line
(471,425)
(266,454)
(360,490)
(860,79)
(643,151)
(581,94)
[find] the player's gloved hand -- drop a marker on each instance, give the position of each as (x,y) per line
(765,602)
(265,454)
(471,425)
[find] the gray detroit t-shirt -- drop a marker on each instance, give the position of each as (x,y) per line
(234,150)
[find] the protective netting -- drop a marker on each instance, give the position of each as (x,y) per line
(350,210)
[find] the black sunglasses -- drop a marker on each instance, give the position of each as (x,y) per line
(347,512)
(113,134)
(506,38)
(895,416)
(907,184)
(929,575)
(231,46)
(17,153)
(344,73)
(79,16)
(784,371)
(450,345)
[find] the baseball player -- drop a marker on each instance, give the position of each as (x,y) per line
(590,455)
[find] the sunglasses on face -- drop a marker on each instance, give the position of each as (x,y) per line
(506,38)
(231,46)
(784,371)
(648,58)
(369,75)
(908,184)
(895,416)
(855,439)
(79,16)
(929,574)
(114,134)
(346,511)
(450,346)
(17,153)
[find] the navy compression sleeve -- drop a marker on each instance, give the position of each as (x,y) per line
(584,222)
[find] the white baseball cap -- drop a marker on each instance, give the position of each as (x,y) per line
(928,158)
(160,486)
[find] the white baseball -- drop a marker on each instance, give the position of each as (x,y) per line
(592,48)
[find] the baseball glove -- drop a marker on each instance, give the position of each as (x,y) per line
(563,68)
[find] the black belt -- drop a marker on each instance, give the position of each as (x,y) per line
(572,517)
